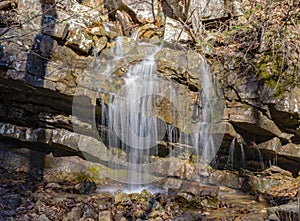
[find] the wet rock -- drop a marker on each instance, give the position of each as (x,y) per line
(285,156)
(287,162)
(89,213)
(192,194)
(276,185)
(121,198)
(289,211)
(86,187)
(60,169)
(224,178)
(273,217)
(74,214)
(145,199)
(129,47)
(172,183)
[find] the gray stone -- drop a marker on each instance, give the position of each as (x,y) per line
(43,217)
(254,121)
(184,217)
(196,195)
(16,158)
(224,178)
(87,186)
(80,40)
(58,169)
(288,212)
(105,216)
(139,11)
(14,201)
(272,145)
(292,150)
(74,214)
(273,217)
(121,198)
(175,31)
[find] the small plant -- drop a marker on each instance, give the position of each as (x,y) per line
(94,170)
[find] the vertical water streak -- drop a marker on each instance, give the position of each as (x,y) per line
(230,160)
(275,158)
(131,117)
(133,129)
(135,34)
(118,50)
(260,158)
(243,156)
(202,137)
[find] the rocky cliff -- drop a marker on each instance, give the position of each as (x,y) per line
(47,46)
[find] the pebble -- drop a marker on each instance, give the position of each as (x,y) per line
(43,217)
(14,201)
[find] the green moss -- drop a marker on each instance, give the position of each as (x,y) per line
(94,170)
(248,13)
(269,70)
(80,176)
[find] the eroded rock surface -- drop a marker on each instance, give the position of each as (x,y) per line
(42,62)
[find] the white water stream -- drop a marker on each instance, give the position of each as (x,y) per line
(134,129)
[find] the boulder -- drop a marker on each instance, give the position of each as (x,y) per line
(175,32)
(139,11)
(121,198)
(105,216)
(288,212)
(196,195)
(252,121)
(276,185)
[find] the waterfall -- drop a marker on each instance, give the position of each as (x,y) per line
(131,117)
(260,157)
(243,156)
(135,34)
(132,128)
(230,160)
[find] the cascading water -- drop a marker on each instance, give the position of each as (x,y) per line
(243,156)
(130,115)
(261,159)
(231,164)
(230,160)
(137,126)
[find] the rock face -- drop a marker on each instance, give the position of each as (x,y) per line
(42,63)
(194,195)
(289,211)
